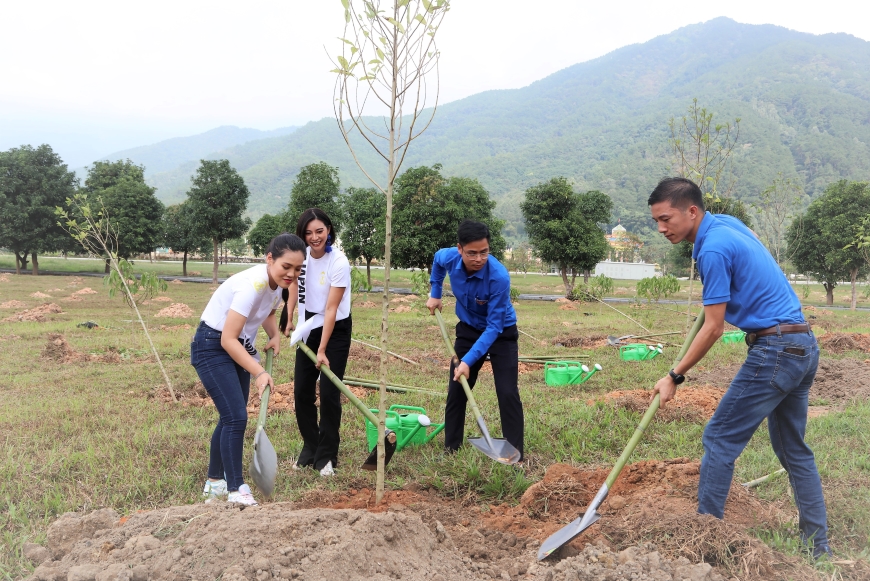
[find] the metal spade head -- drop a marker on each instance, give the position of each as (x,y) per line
(371,462)
(264,464)
(566,534)
(501,451)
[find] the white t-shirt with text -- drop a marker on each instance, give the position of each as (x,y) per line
(318,276)
(248,294)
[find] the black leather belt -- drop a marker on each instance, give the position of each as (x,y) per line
(778,330)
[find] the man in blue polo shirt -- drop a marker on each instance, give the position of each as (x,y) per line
(487,324)
(744,286)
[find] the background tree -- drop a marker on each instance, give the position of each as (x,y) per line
(388,52)
(429,209)
(218,198)
(266,228)
(563,227)
(821,240)
(365,210)
(179,232)
(316,186)
(777,207)
(33,182)
(129,203)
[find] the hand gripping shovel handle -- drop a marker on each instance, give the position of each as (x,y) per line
(477,415)
(567,533)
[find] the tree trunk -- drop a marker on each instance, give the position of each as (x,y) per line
(853,304)
(106,271)
(829,293)
(215,257)
(184,264)
(563,270)
(369,270)
(21,264)
(35,262)
(585,277)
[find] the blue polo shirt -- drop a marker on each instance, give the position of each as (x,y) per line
(483,299)
(737,269)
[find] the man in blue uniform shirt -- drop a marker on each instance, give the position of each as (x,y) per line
(744,286)
(487,324)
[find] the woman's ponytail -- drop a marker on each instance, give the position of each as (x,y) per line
(282,323)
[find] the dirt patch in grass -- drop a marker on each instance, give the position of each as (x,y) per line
(36,314)
(4,277)
(842,342)
(85,291)
(162,300)
(58,349)
(175,311)
(692,404)
(9,337)
(590,342)
(367,305)
(40,295)
(182,327)
(401,309)
(13,304)
(837,380)
(176,281)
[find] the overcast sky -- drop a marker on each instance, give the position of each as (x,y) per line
(95,76)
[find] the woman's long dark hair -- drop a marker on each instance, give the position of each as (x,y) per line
(316,214)
(277,247)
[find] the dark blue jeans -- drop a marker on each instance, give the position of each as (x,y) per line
(773,383)
(229,385)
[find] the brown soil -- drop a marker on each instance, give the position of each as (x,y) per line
(401,309)
(175,311)
(13,305)
(9,337)
(567,307)
(418,534)
(73,298)
(4,277)
(58,349)
(39,295)
(842,342)
(176,281)
(37,314)
(690,403)
(182,327)
(404,299)
(85,291)
(837,380)
(367,305)
(162,300)
(590,342)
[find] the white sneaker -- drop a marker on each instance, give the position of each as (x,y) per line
(327,470)
(214,489)
(242,496)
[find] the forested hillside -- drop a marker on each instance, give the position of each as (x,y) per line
(803,101)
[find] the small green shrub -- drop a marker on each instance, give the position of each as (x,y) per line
(655,288)
(141,289)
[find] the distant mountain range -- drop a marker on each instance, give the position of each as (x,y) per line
(803,101)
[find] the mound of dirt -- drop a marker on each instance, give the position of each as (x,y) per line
(73,298)
(36,314)
(367,305)
(218,541)
(590,342)
(175,311)
(692,404)
(39,295)
(4,277)
(161,300)
(404,299)
(837,380)
(58,349)
(401,309)
(280,400)
(176,281)
(842,342)
(13,304)
(85,291)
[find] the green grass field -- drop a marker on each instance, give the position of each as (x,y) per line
(79,436)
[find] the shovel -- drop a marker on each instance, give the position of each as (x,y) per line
(371,462)
(498,449)
(264,464)
(569,532)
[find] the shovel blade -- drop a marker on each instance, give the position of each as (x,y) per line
(565,535)
(264,464)
(501,451)
(371,462)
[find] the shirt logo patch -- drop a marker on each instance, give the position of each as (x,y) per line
(259,286)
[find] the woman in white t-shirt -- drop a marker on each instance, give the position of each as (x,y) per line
(323,288)
(225,357)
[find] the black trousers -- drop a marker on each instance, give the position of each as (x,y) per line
(505,370)
(321,439)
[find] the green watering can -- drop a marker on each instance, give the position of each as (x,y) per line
(410,428)
(733,337)
(639,351)
(557,373)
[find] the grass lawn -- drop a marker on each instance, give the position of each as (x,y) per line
(80,436)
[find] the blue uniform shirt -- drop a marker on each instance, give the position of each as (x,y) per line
(737,269)
(483,299)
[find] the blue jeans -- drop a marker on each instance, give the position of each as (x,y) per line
(773,383)
(229,385)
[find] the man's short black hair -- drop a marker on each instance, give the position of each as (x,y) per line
(471,231)
(680,192)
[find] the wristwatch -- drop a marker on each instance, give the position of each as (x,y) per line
(678,379)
